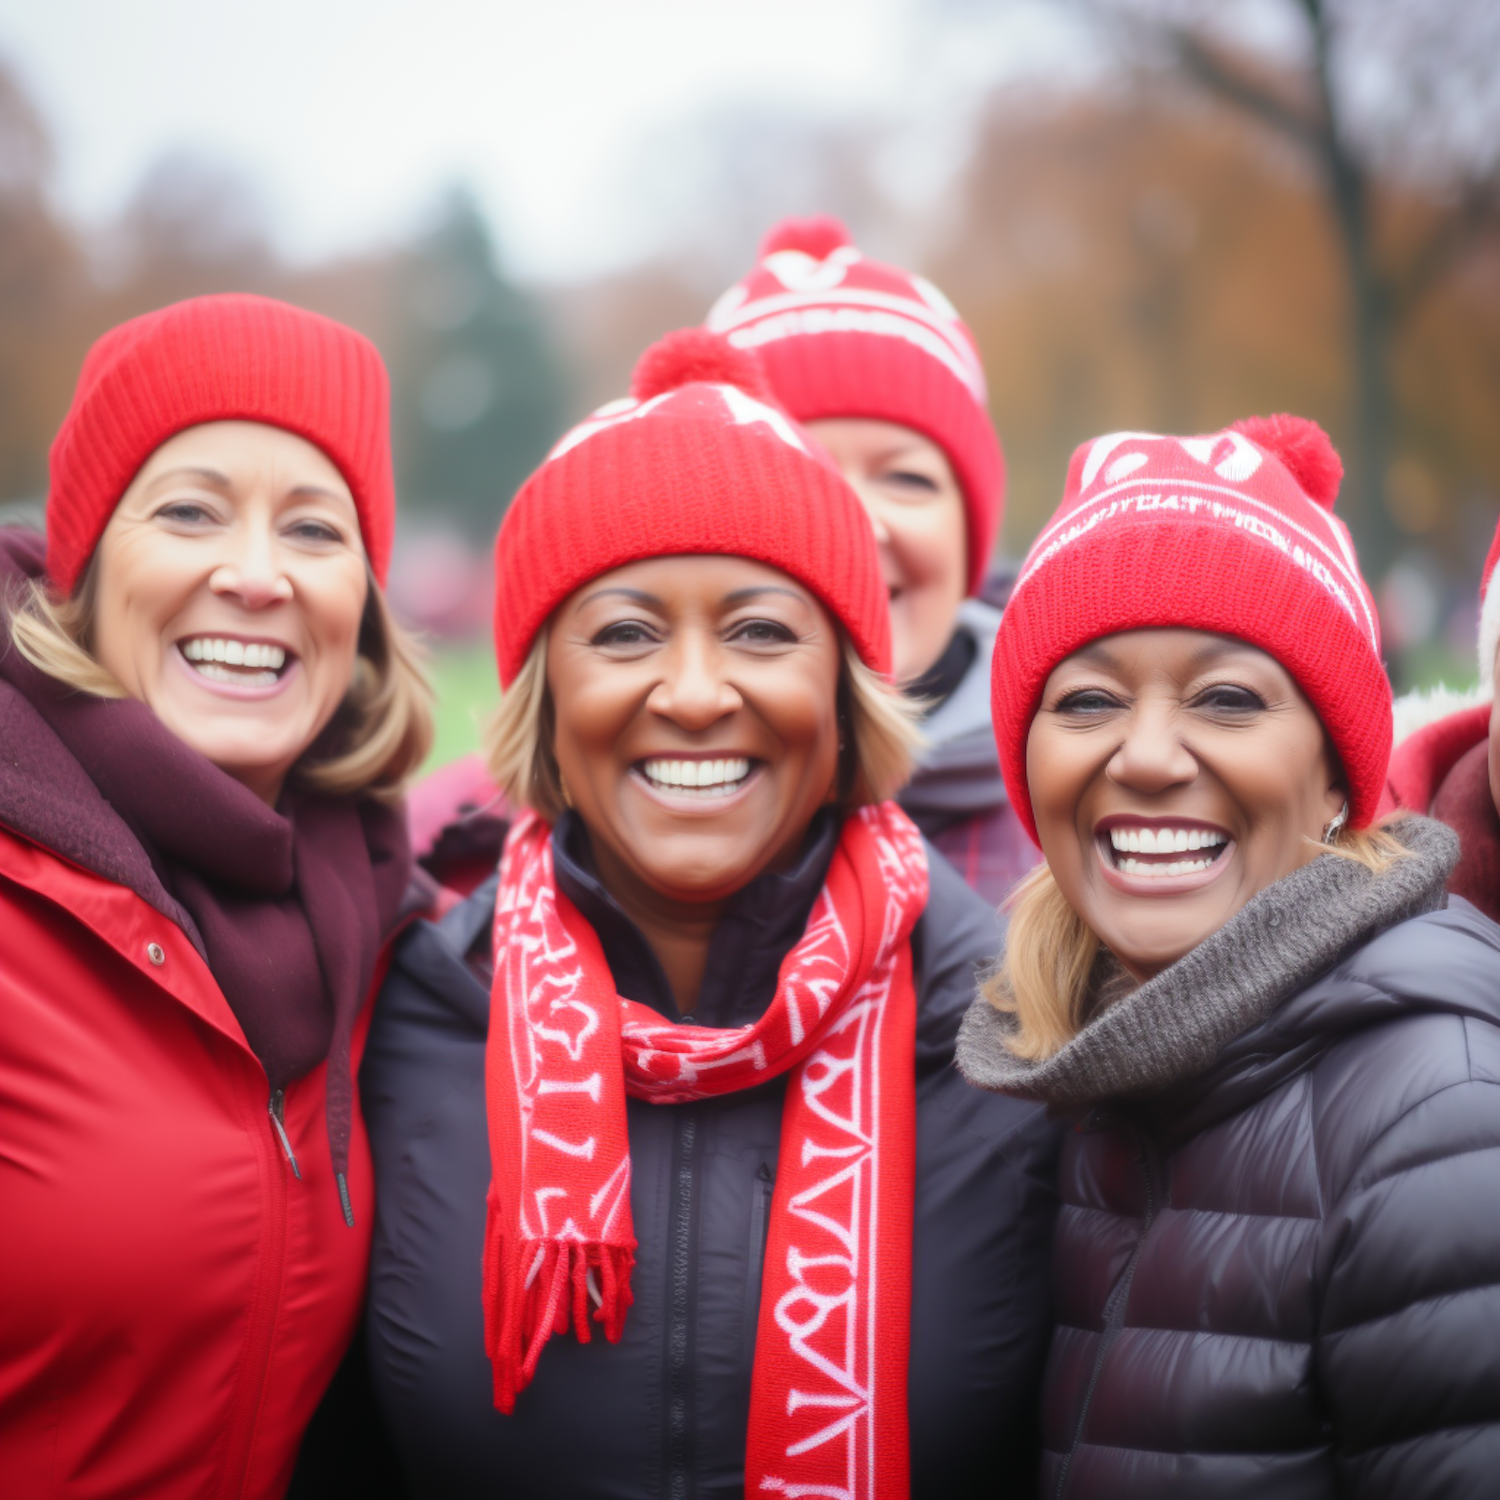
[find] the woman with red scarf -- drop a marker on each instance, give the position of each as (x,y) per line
(205,710)
(679,1191)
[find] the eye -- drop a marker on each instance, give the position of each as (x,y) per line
(186,513)
(1229,698)
(624,633)
(1086,701)
(314,531)
(762,633)
(909,482)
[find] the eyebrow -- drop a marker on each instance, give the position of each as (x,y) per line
(195,471)
(319,491)
(636,596)
(743,596)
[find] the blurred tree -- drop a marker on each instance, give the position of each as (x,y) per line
(41,281)
(478,393)
(1395,104)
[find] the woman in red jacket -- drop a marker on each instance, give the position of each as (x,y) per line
(205,708)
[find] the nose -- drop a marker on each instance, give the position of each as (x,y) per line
(1153,757)
(873,508)
(694,690)
(251,570)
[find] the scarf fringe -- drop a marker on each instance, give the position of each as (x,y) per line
(536,1288)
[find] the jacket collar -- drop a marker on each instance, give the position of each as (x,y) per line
(1173,1032)
(759,928)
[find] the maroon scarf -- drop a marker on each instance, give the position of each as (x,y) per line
(1465,803)
(287,905)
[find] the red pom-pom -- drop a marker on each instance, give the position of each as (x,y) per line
(694,355)
(818,237)
(1304,450)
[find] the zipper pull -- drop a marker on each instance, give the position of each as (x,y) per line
(277,1111)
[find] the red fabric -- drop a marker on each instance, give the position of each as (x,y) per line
(1421,761)
(842,336)
(697,466)
(212,359)
(1199,533)
(1443,769)
(828,1393)
(175,1300)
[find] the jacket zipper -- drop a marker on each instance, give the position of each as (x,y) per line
(760,1221)
(679,1430)
(1114,1312)
(277,1111)
(265,1301)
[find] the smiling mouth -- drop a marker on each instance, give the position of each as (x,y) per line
(697,778)
(241,663)
(1161,850)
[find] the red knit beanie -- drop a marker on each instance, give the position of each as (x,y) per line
(698,459)
(842,336)
(214,359)
(1232,533)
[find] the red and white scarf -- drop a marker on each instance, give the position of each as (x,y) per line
(828,1392)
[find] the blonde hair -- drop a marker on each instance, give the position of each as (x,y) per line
(1042,978)
(876,760)
(383,728)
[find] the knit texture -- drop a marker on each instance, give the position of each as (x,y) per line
(687,465)
(212,359)
(1199,533)
(565,1049)
(842,336)
(1171,1028)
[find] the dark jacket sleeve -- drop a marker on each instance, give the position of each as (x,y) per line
(982,1240)
(1409,1347)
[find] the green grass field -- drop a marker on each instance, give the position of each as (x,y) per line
(464,681)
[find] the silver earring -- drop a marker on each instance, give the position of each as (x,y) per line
(1339,819)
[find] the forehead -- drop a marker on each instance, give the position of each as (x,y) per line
(692,580)
(237,449)
(1174,653)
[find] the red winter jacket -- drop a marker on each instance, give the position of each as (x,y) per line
(173,1301)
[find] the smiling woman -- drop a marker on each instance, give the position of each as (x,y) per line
(206,711)
(716,977)
(1278,1041)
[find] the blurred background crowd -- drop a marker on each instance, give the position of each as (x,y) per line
(1154,214)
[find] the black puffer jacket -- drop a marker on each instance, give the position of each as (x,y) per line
(663,1413)
(1277,1267)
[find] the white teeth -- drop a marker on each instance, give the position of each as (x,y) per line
(216,673)
(234,653)
(715,777)
(1163,840)
(1159,872)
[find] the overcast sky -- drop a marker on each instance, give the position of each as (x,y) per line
(350,116)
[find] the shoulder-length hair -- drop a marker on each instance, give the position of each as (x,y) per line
(1042,977)
(880,736)
(382,730)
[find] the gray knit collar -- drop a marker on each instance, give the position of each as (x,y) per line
(1171,1029)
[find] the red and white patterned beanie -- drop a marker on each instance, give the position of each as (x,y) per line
(1489,618)
(699,458)
(1232,532)
(842,336)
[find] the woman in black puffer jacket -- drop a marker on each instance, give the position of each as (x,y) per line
(1277,1266)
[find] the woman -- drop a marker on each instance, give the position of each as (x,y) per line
(876,364)
(1448,761)
(716,1144)
(205,708)
(1277,1264)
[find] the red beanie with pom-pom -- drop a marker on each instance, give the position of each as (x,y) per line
(1233,533)
(842,336)
(231,357)
(698,459)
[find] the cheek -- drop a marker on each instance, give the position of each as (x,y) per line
(140,591)
(801,709)
(928,544)
(333,610)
